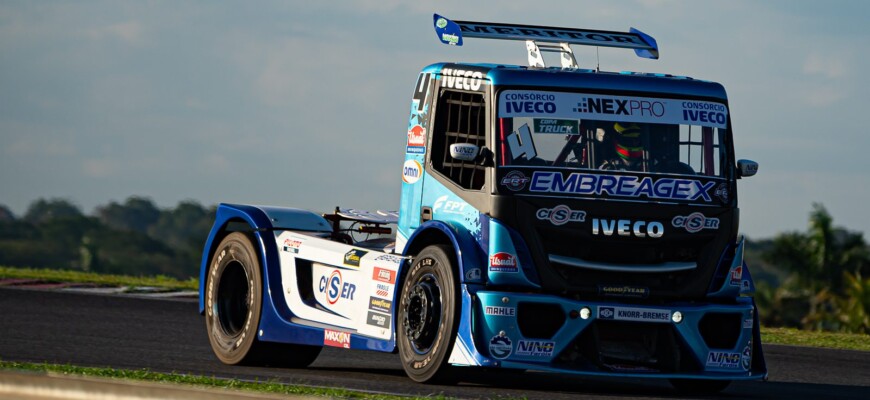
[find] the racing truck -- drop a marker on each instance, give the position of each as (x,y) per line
(552,218)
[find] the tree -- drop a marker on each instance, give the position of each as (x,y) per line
(6,214)
(136,214)
(43,210)
(824,263)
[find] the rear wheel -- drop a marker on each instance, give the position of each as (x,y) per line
(699,386)
(234,299)
(428,316)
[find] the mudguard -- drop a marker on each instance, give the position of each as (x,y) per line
(470,258)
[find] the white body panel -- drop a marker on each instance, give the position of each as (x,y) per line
(354,288)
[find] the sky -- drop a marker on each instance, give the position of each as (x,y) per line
(304,104)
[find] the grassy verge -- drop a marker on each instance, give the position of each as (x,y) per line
(55,275)
(833,340)
(201,381)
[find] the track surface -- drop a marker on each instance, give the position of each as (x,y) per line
(169,336)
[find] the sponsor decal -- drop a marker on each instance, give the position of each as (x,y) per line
(531,107)
(383,290)
(472,274)
(443,205)
(558,126)
(620,106)
(515,181)
(500,311)
(381,305)
(723,359)
(441,23)
(623,186)
(384,275)
(335,288)
(535,348)
(561,105)
(634,314)
(503,262)
(336,338)
(695,222)
(500,347)
(353,257)
(748,322)
(460,78)
(411,171)
(450,38)
(722,192)
(379,320)
(560,215)
(623,291)
(292,245)
(416,140)
(746,357)
(745,287)
(417,136)
(736,276)
(624,227)
(389,258)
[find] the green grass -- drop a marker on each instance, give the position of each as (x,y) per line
(833,340)
(272,387)
(55,275)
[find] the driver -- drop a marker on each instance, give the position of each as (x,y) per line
(628,145)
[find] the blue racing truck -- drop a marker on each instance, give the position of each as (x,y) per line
(554,219)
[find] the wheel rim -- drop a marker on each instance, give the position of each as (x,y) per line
(232,299)
(422,314)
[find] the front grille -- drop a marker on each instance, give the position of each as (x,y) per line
(629,346)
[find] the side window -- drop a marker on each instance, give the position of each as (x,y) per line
(461,118)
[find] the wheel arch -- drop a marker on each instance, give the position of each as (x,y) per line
(231,218)
(465,252)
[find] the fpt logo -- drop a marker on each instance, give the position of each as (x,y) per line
(411,171)
(335,288)
(515,181)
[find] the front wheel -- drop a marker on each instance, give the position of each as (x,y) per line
(234,298)
(428,315)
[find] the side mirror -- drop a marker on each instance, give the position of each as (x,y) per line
(746,168)
(464,151)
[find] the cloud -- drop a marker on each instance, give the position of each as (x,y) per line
(828,66)
(129,32)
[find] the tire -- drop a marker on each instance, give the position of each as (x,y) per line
(699,386)
(428,316)
(234,299)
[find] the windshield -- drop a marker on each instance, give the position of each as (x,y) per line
(617,133)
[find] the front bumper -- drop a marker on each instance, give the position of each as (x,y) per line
(555,334)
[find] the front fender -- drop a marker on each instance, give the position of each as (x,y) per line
(468,253)
(256,219)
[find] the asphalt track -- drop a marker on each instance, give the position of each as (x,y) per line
(169,336)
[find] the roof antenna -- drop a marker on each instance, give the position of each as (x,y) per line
(598,60)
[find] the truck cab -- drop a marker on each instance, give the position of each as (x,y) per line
(598,210)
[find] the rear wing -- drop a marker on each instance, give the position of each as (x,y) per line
(557,39)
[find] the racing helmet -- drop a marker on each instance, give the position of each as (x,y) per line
(628,143)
